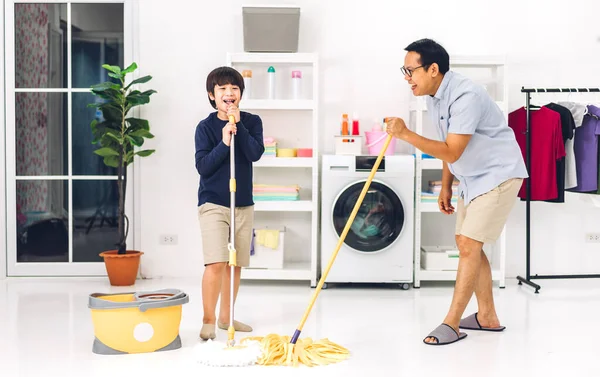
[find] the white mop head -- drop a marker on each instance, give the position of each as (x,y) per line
(219,355)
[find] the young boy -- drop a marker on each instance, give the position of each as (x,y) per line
(225,87)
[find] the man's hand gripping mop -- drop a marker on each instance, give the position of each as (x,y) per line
(215,353)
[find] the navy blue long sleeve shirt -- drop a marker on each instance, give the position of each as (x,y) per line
(212,159)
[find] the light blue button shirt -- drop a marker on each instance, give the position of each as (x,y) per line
(492,155)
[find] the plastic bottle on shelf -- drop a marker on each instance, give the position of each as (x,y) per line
(355,127)
(271,74)
(296,84)
(345,124)
(247,75)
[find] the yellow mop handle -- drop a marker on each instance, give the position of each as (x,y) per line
(342,238)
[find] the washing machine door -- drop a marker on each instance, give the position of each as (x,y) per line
(379,220)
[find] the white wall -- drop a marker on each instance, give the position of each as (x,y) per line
(361,50)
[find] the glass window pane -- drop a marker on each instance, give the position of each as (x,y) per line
(95,208)
(42,221)
(97,33)
(40,46)
(85,161)
(41,134)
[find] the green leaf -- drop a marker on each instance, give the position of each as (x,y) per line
(142,133)
(149,92)
(105,85)
(115,136)
(141,80)
(145,152)
(135,140)
(115,75)
(111,112)
(137,99)
(137,123)
(132,67)
(112,68)
(100,130)
(105,152)
(112,161)
(110,95)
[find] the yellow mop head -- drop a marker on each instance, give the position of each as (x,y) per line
(279,350)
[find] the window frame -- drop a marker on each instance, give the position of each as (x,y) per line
(8,257)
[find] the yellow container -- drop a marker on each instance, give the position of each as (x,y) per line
(137,322)
(286,152)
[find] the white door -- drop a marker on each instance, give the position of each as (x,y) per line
(61,198)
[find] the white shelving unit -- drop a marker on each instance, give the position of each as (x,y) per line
(283,119)
(491,72)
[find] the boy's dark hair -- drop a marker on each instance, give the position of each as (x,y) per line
(223,76)
(431,52)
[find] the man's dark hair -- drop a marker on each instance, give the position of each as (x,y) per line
(431,52)
(223,76)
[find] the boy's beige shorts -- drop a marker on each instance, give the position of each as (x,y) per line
(214,227)
(484,218)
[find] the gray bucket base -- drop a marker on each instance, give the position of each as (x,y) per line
(102,349)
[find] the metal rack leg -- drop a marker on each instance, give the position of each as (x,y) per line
(530,283)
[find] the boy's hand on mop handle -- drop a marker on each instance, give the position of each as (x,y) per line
(232,110)
(229,129)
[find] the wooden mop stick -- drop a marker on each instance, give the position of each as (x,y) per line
(341,240)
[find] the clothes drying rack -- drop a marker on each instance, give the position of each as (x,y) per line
(528,277)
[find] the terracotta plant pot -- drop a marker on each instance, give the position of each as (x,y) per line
(122,269)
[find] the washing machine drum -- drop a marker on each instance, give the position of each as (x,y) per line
(379,220)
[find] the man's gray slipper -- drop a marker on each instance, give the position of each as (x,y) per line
(444,334)
(472,323)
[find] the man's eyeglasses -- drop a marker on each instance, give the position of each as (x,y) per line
(409,72)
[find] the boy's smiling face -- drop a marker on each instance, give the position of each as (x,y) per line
(225,96)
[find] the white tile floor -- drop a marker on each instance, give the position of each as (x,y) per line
(45,330)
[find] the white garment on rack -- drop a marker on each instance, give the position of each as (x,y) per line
(578,110)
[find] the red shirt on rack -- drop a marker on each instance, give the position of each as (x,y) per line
(547,147)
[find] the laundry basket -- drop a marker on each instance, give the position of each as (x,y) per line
(136,322)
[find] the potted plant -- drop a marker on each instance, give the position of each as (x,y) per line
(119,134)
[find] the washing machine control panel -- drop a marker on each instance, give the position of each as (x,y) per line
(366,163)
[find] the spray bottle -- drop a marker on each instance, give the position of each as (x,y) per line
(271,74)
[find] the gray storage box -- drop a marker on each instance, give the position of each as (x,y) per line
(271,29)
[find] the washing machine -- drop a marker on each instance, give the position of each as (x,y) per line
(379,245)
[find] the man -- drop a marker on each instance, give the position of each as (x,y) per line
(478,149)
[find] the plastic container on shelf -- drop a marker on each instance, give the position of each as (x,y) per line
(272,86)
(296,84)
(345,126)
(355,126)
(304,152)
(247,75)
(286,152)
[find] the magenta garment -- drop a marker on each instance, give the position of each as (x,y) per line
(586,152)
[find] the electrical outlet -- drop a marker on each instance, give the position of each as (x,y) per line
(168,239)
(592,237)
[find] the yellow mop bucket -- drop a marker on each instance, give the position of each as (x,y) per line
(137,322)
